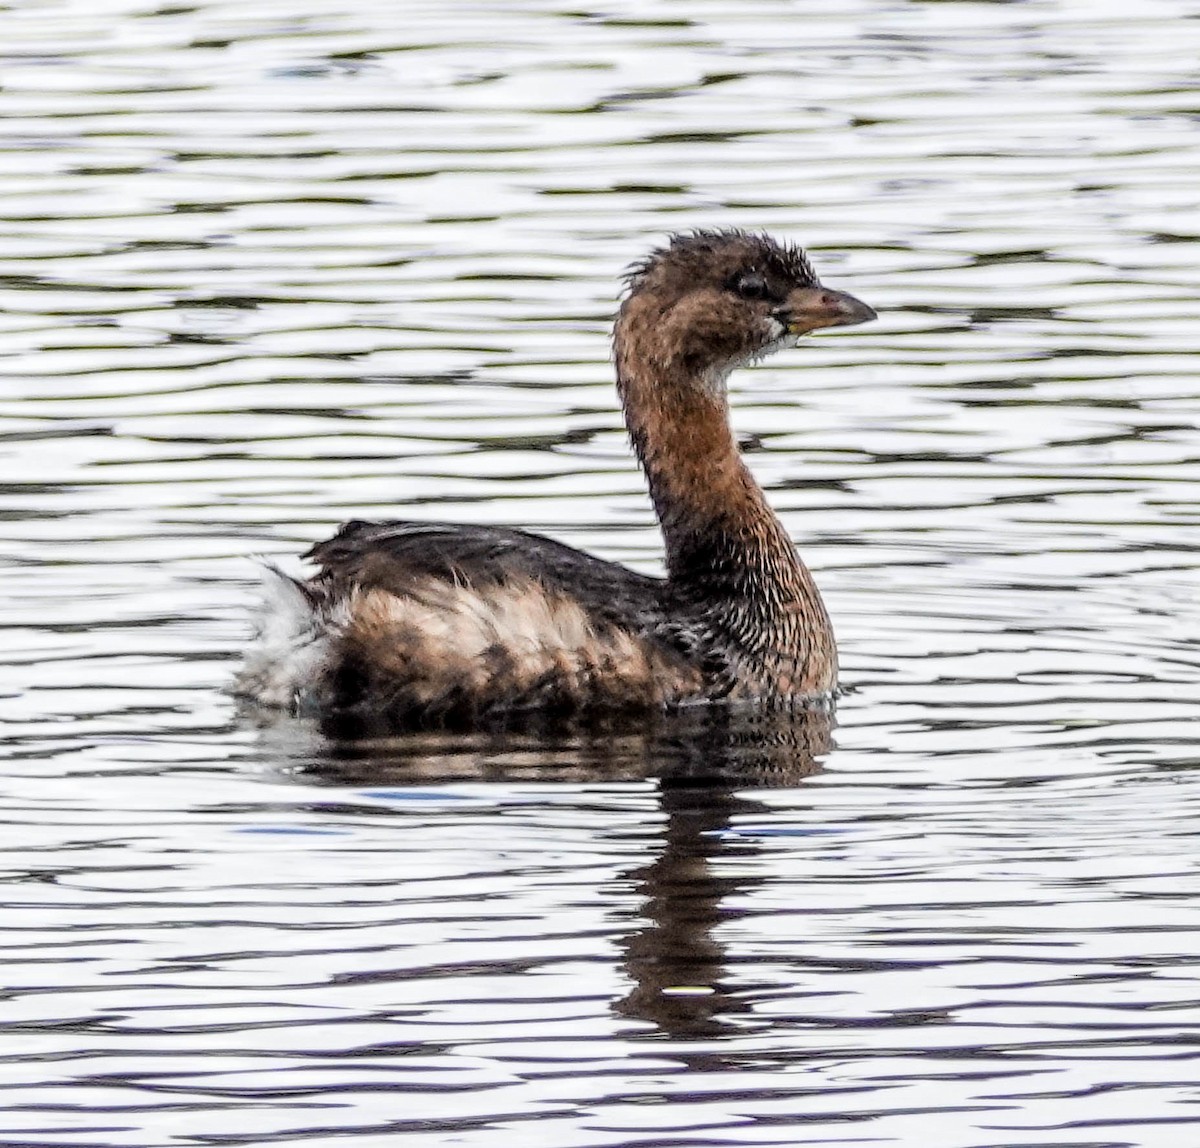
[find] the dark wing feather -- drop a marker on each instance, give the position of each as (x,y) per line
(392,555)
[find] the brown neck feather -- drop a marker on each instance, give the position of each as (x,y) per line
(727,553)
(702,491)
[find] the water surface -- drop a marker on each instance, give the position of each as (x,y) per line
(267,266)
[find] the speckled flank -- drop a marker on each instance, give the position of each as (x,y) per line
(515,645)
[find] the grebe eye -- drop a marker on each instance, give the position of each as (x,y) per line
(751,286)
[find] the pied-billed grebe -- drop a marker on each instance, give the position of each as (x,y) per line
(410,624)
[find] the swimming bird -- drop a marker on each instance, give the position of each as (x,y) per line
(412,624)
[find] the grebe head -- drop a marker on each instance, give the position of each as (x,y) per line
(711,301)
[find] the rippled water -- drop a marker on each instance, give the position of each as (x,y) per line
(268,265)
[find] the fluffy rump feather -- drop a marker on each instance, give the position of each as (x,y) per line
(291,646)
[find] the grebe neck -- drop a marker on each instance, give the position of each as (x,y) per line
(724,545)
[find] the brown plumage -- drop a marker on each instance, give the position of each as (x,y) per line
(410,624)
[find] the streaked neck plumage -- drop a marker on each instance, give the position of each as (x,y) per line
(728,555)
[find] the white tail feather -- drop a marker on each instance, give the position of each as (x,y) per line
(289,651)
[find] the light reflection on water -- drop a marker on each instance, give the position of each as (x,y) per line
(264,267)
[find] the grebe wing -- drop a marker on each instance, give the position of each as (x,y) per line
(417,623)
(393,556)
(408,624)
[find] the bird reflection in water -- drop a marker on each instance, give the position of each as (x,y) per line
(705,764)
(676,961)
